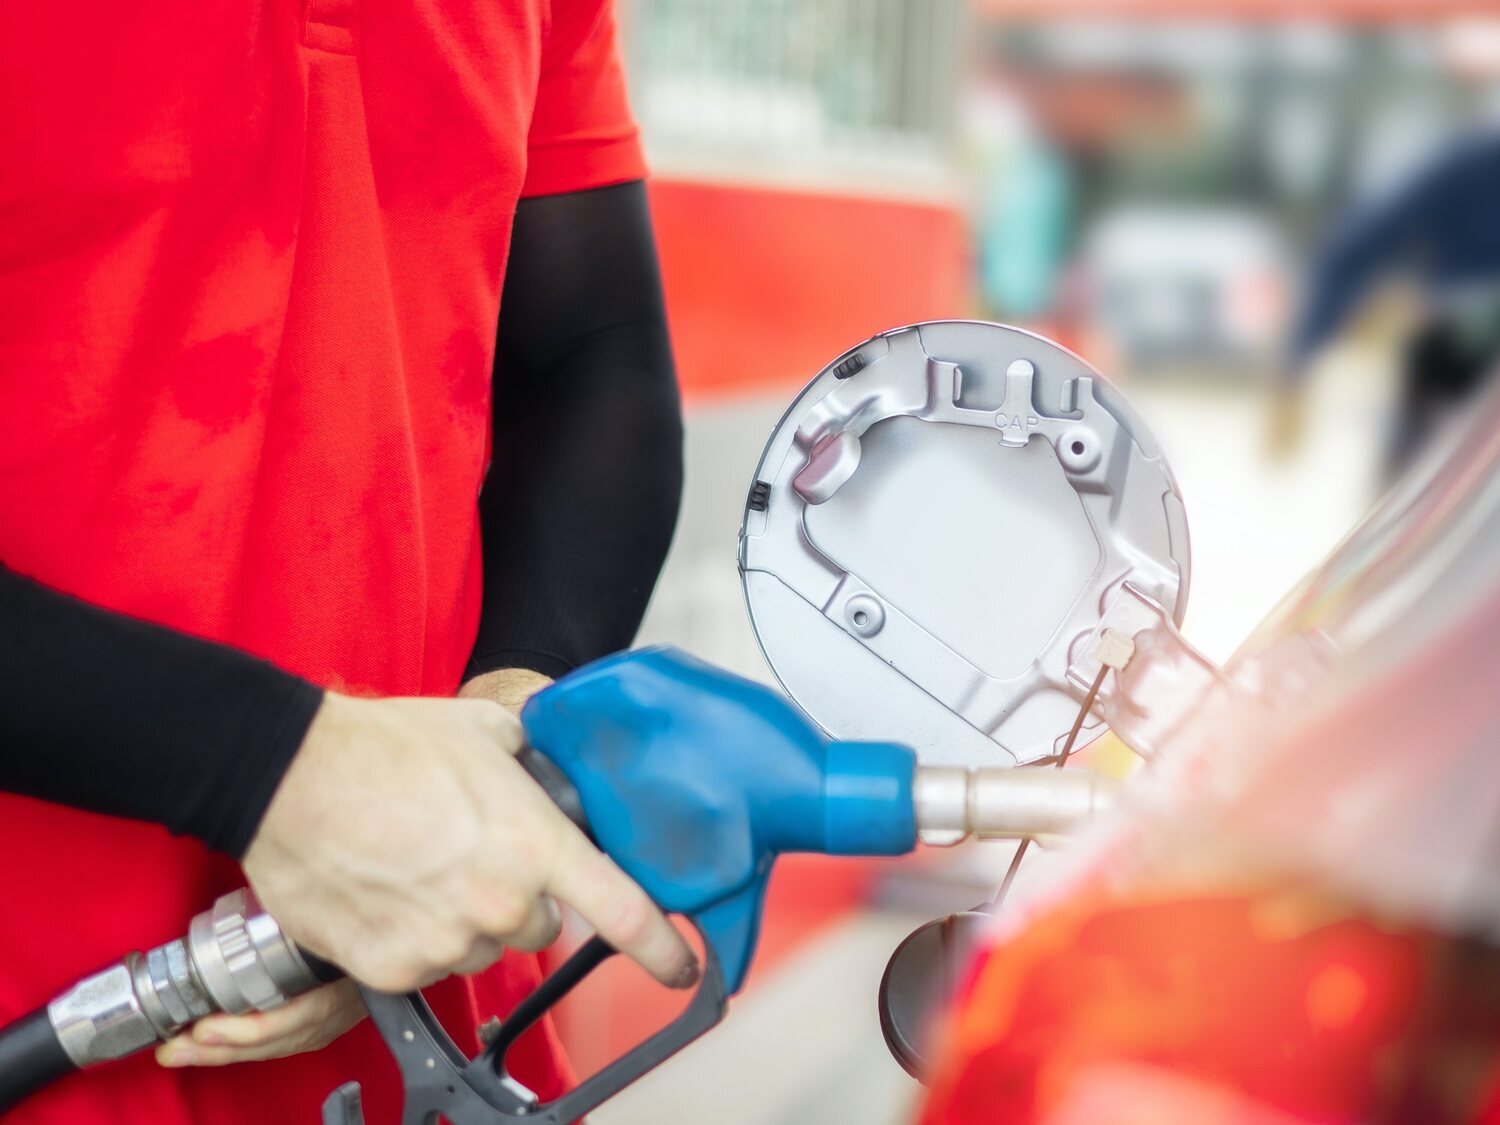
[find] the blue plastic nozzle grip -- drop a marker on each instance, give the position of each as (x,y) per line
(694,780)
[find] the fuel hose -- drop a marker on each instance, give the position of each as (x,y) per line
(234,958)
(30,1057)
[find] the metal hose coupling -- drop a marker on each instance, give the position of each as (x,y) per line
(234,959)
(1005,803)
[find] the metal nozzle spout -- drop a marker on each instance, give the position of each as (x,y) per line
(1006,804)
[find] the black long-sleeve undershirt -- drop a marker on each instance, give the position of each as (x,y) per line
(104,712)
(582,495)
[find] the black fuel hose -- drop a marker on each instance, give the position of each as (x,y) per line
(30,1058)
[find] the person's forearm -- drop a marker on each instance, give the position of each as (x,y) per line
(107,713)
(582,496)
(1363,247)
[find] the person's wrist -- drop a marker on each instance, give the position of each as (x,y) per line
(509,687)
(297,804)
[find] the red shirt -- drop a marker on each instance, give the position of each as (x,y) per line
(250,271)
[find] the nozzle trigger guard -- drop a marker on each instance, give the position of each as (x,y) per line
(439,1079)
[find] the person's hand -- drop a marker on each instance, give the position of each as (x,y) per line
(405,843)
(305,1023)
(509,687)
(311,1021)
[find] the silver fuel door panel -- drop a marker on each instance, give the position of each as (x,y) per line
(934,530)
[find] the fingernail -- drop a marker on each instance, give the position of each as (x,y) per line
(688,976)
(209,1037)
(182,1056)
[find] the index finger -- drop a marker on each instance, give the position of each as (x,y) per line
(620,912)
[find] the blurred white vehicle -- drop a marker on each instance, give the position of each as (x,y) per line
(1167,286)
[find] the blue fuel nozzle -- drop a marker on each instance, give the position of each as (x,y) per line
(694,780)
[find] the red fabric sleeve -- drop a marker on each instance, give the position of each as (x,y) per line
(582,134)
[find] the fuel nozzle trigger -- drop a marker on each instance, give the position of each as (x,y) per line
(693,781)
(440,1081)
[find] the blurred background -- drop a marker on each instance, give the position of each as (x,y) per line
(1230,209)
